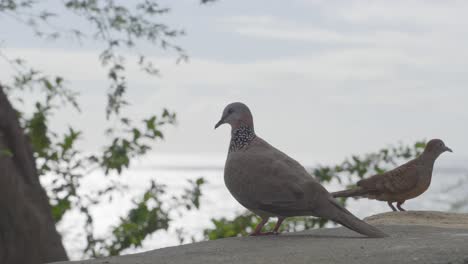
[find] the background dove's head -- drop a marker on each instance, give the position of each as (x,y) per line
(435,147)
(237,115)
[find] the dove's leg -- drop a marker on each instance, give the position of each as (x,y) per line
(278,224)
(391,206)
(398,205)
(258,229)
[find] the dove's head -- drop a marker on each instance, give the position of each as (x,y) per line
(237,115)
(435,147)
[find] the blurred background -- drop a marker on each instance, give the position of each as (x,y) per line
(119,100)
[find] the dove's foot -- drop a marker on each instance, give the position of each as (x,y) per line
(263,234)
(398,205)
(391,206)
(258,229)
(278,224)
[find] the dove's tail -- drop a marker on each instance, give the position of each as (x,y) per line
(347,219)
(358,191)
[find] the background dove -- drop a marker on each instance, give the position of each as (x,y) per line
(403,183)
(271,184)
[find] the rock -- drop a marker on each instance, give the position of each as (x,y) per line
(425,218)
(415,237)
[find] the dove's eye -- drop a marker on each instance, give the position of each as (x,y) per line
(230,111)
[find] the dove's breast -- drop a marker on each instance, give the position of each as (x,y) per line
(423,184)
(241,177)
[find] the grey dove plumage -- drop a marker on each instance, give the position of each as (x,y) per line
(402,183)
(271,184)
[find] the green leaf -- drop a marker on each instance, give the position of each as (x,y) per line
(59,209)
(6,153)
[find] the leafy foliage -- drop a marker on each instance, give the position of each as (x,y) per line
(121,26)
(140,221)
(356,167)
(241,225)
(150,214)
(58,157)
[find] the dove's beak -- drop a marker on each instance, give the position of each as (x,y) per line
(448,149)
(219,123)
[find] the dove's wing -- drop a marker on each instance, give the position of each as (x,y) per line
(399,180)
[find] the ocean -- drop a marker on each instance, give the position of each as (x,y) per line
(446,193)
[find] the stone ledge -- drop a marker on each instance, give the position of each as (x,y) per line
(408,243)
(425,218)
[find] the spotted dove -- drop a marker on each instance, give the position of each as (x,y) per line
(271,184)
(402,183)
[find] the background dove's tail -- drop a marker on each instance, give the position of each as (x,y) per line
(358,191)
(347,219)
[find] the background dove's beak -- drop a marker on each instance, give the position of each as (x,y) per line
(219,123)
(448,149)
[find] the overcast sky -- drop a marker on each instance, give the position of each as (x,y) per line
(324,79)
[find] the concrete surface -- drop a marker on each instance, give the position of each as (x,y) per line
(408,243)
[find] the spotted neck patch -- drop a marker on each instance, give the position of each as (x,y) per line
(241,137)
